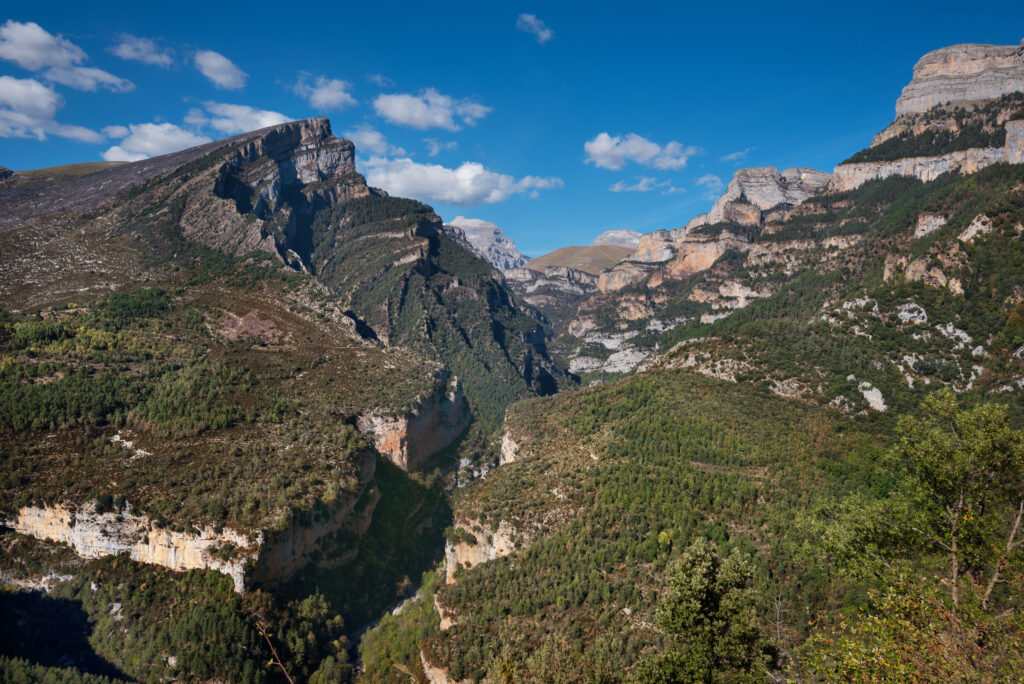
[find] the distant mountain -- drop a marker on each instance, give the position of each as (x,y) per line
(622,238)
(590,259)
(487,240)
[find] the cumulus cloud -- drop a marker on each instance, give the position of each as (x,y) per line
(531,24)
(325,93)
(429,109)
(737,156)
(150,139)
(468,184)
(28,109)
(369,139)
(115,131)
(221,71)
(435,146)
(612,152)
(234,118)
(55,58)
(142,50)
(646,184)
(712,185)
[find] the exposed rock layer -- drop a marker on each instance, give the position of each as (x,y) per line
(963,73)
(430,425)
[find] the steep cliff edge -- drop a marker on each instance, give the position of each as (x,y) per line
(963,73)
(428,426)
(247,557)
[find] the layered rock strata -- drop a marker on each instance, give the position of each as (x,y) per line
(963,73)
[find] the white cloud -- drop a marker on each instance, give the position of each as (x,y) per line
(115,131)
(712,185)
(221,71)
(369,139)
(380,79)
(646,184)
(232,118)
(142,50)
(151,139)
(737,156)
(429,109)
(32,47)
(435,146)
(325,93)
(612,152)
(531,24)
(28,109)
(468,184)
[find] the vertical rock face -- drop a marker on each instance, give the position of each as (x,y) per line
(246,558)
(963,73)
(487,240)
(851,176)
(430,425)
(752,191)
(484,546)
(93,535)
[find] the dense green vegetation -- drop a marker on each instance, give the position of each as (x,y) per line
(952,130)
(148,624)
(385,257)
(629,474)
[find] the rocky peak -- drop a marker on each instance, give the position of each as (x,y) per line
(963,73)
(752,191)
(299,153)
(487,240)
(622,238)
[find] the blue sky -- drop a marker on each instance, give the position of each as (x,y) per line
(488,110)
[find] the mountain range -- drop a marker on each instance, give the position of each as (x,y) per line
(265,422)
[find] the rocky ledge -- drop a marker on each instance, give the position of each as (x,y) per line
(851,176)
(246,557)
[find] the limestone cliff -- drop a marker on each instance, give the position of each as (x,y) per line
(428,426)
(752,191)
(851,176)
(963,73)
(268,188)
(477,544)
(92,534)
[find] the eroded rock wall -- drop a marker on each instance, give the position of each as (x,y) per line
(430,425)
(488,545)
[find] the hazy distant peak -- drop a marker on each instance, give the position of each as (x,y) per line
(622,237)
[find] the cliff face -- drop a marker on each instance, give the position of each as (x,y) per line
(265,193)
(963,73)
(752,191)
(850,176)
(488,545)
(247,558)
(430,425)
(93,534)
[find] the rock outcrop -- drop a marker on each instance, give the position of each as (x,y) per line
(247,558)
(755,190)
(431,424)
(852,176)
(963,73)
(478,544)
(487,240)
